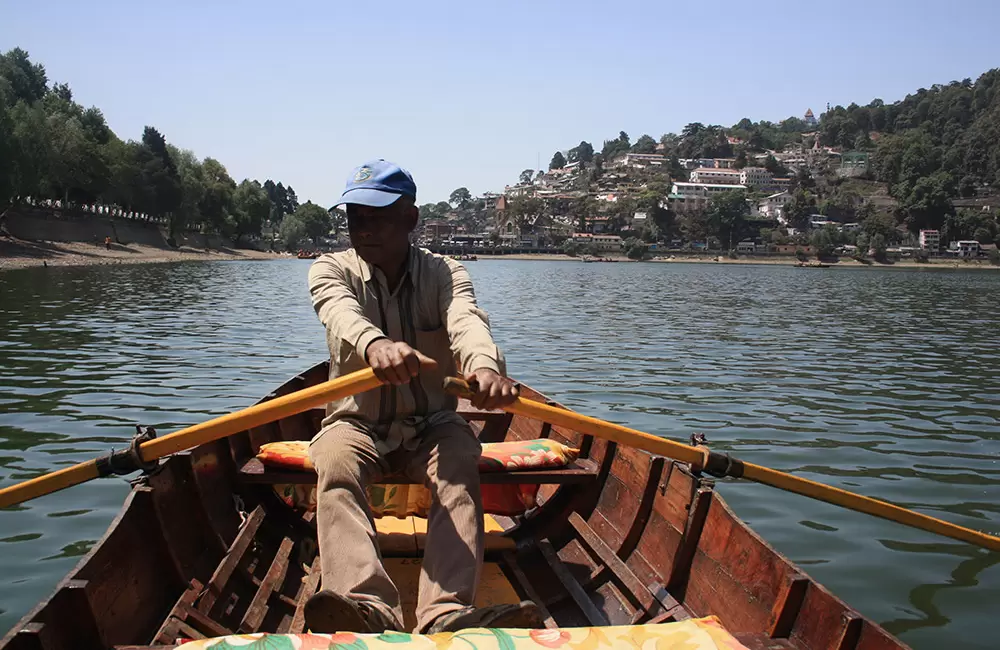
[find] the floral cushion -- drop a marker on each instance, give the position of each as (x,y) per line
(404,500)
(693,634)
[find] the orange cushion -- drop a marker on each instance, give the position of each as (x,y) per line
(507,499)
(497,456)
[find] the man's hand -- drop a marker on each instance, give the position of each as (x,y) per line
(495,391)
(396,362)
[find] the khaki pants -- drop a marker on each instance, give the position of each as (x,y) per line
(446,461)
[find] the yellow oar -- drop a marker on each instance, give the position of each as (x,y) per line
(199,434)
(718,464)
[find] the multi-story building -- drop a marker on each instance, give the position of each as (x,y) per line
(758,176)
(610,243)
(715,176)
(686,198)
(930,240)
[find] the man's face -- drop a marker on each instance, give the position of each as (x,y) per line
(381,235)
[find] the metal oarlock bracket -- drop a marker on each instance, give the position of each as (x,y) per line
(716,464)
(128,460)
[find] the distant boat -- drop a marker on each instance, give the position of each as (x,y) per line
(308,255)
(812,265)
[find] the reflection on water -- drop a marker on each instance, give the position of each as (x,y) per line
(877,381)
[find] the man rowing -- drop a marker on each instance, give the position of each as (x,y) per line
(410,315)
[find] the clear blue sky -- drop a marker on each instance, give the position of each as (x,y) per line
(469,94)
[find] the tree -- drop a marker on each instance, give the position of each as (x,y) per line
(570,248)
(772,165)
(315,220)
(293,232)
(727,215)
(338,220)
(460,198)
(584,152)
(526,176)
(558,161)
(250,208)
(645,144)
(28,82)
(799,209)
(217,202)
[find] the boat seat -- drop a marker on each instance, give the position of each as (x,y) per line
(582,470)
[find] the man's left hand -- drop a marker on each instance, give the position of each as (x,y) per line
(495,391)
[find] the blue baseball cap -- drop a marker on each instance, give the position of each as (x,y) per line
(377,183)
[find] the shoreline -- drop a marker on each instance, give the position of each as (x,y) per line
(22,254)
(774,261)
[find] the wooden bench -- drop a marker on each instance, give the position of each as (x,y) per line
(494,429)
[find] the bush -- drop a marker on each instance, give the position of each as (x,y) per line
(801,255)
(922,257)
(570,248)
(995,257)
(637,251)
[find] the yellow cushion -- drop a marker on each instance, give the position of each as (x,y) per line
(693,634)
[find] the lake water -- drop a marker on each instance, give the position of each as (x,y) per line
(879,381)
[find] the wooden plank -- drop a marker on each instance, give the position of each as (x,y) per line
(275,575)
(527,590)
(236,551)
(580,597)
(642,515)
(29,637)
(675,610)
(634,590)
(189,596)
(680,570)
(205,624)
(580,471)
(495,428)
(851,633)
(787,606)
(309,587)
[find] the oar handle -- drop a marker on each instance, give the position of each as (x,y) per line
(701,458)
(199,434)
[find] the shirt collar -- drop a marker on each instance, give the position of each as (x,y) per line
(368,270)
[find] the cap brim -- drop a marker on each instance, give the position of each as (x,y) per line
(365,196)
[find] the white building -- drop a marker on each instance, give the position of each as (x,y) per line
(695,197)
(600,242)
(930,240)
(968,248)
(716,176)
(773,207)
(756,176)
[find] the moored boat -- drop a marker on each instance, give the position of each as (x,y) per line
(213,542)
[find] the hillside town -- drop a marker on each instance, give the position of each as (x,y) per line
(644,200)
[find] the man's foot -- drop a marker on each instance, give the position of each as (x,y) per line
(327,612)
(522,615)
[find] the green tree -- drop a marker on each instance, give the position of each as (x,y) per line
(526,176)
(558,161)
(192,178)
(217,201)
(460,198)
(250,208)
(570,247)
(28,81)
(293,232)
(315,219)
(727,215)
(645,144)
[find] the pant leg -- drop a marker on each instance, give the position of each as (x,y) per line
(446,461)
(346,461)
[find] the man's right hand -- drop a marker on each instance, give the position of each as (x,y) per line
(395,362)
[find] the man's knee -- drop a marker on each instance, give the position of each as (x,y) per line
(341,456)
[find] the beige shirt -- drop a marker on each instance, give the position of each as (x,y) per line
(433,309)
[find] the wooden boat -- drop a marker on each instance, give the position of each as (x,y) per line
(308,255)
(204,547)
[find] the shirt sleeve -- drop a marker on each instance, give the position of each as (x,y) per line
(468,326)
(337,306)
